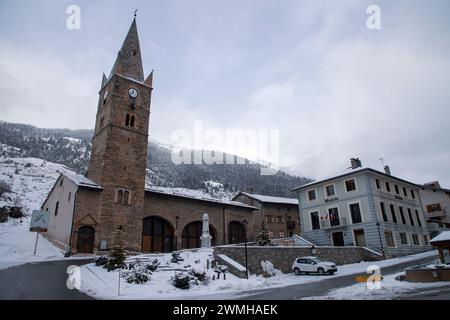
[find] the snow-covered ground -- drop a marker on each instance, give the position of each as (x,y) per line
(101,284)
(30,180)
(390,288)
(17,245)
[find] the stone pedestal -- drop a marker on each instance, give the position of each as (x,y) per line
(205,237)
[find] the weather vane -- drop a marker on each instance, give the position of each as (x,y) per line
(135,12)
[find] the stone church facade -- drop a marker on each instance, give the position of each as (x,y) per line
(110,205)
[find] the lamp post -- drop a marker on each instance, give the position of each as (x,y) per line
(245,245)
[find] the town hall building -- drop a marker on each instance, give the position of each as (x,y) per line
(110,204)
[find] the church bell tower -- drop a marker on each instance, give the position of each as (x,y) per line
(119,147)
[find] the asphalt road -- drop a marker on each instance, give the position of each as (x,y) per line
(441,293)
(299,291)
(39,281)
(47,281)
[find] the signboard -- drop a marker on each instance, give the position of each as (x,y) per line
(39,221)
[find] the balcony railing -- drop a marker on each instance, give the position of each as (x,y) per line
(334,223)
(437,227)
(435,214)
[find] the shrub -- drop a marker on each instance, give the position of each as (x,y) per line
(176,257)
(181,280)
(136,273)
(100,261)
(197,276)
(153,265)
(116,259)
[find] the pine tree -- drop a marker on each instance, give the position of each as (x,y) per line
(116,258)
(263,238)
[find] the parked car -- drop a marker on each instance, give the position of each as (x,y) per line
(313,265)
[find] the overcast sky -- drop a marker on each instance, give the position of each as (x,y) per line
(311,69)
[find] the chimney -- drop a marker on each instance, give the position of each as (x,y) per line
(356,163)
(387,170)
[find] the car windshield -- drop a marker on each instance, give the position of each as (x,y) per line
(318,260)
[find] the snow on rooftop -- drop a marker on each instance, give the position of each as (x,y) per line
(194,194)
(335,175)
(343,173)
(270,199)
(443,236)
(81,180)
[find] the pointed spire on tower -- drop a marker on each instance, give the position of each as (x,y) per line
(149,80)
(104,80)
(129,62)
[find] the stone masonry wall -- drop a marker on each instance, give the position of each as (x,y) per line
(283,257)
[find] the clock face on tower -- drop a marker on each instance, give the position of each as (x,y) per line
(133,92)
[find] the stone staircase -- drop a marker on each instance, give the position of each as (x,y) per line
(234,267)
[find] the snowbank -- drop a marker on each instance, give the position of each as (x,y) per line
(17,244)
(390,289)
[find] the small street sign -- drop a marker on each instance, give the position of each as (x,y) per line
(39,221)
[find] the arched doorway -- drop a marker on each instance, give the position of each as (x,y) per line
(190,237)
(85,239)
(157,235)
(236,232)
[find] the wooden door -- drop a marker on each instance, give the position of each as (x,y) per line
(360,238)
(85,240)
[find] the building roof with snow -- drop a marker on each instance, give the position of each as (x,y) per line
(443,236)
(196,195)
(268,199)
(350,171)
(81,180)
(435,186)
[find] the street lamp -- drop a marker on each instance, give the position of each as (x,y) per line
(245,245)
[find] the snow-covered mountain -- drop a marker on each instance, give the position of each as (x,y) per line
(29,181)
(71,148)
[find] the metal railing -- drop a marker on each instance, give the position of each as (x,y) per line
(333,223)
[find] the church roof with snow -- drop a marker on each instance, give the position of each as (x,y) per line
(81,180)
(196,195)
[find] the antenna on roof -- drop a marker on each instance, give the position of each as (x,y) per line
(382,161)
(135,12)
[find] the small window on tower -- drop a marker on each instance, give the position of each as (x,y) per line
(56,208)
(126,197)
(134,52)
(101,121)
(132,122)
(119,196)
(127,120)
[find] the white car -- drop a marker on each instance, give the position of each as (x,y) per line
(313,265)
